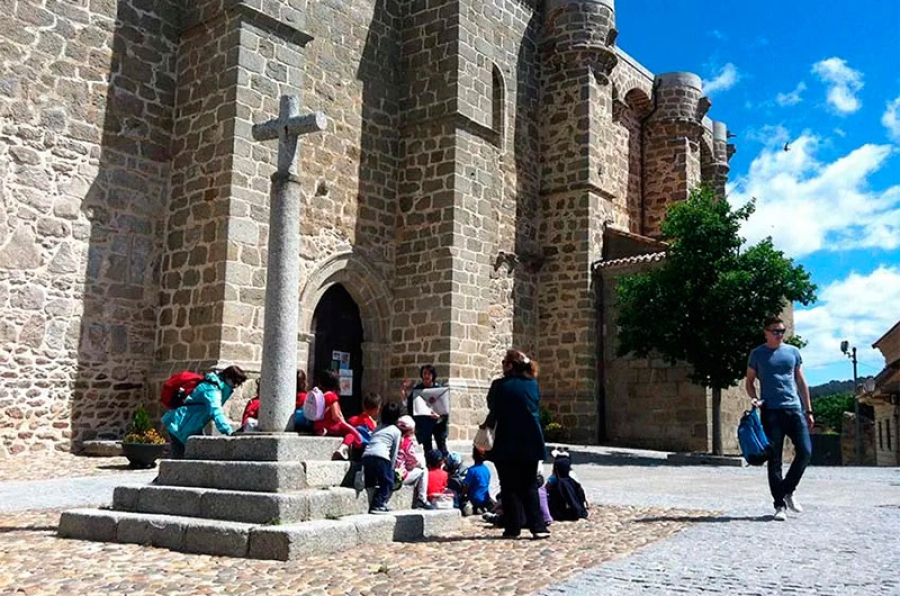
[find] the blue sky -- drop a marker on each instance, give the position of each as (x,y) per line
(823,78)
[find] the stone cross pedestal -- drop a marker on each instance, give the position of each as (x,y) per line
(278,381)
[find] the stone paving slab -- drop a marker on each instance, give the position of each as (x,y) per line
(262,447)
(252,476)
(240,506)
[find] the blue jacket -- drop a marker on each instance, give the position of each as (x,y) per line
(513,406)
(202,405)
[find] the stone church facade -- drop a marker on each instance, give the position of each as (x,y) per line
(489,168)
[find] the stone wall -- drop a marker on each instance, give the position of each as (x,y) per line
(86,105)
(648,402)
(887,435)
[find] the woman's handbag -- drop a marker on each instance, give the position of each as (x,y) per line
(484,438)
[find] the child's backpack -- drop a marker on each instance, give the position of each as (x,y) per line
(314,406)
(177,387)
(755,447)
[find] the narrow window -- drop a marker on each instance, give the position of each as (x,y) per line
(498,102)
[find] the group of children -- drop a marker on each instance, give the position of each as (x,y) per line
(390,454)
(391,457)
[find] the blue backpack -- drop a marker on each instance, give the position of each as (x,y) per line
(755,447)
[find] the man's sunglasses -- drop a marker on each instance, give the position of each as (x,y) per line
(776,331)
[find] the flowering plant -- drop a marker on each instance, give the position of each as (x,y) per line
(141,429)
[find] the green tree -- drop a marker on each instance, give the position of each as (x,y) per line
(830,410)
(706,303)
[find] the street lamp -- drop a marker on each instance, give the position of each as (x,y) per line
(857,443)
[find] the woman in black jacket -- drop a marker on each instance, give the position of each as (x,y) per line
(518,449)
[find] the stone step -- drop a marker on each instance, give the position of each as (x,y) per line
(253,476)
(241,506)
(233,539)
(262,447)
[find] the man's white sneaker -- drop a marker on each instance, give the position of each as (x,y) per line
(792,504)
(780,514)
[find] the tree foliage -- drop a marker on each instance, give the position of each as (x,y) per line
(706,303)
(829,411)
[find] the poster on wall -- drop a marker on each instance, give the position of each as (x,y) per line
(346,382)
(340,360)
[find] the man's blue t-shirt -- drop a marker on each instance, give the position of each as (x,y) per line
(775,370)
(478,479)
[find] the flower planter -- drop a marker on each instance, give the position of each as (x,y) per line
(144,455)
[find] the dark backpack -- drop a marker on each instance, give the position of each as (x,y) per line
(755,447)
(177,387)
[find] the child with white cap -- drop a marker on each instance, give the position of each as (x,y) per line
(411,463)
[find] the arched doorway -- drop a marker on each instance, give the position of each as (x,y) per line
(337,343)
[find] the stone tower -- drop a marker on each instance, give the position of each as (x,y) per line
(483,158)
(576,194)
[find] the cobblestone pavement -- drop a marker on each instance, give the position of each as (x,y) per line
(654,530)
(475,560)
(60,464)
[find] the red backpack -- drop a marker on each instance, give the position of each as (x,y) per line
(177,387)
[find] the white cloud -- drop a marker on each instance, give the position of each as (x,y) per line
(891,119)
(808,206)
(853,309)
(726,78)
(715,33)
(792,98)
(843,84)
(769,135)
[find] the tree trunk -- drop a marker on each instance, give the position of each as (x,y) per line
(717,420)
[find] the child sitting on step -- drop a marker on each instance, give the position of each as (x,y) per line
(380,458)
(437,478)
(364,423)
(411,463)
(333,423)
(456,477)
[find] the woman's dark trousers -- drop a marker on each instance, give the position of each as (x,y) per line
(519,496)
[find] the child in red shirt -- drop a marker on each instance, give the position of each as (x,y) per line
(437,476)
(334,424)
(364,424)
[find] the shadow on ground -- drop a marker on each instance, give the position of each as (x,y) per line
(704,518)
(613,458)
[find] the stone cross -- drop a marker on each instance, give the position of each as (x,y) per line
(278,381)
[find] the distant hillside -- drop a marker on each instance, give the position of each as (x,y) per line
(833,388)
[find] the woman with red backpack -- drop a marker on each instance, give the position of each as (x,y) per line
(202,405)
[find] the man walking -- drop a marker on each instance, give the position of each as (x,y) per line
(785,408)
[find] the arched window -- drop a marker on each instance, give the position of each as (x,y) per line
(498,103)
